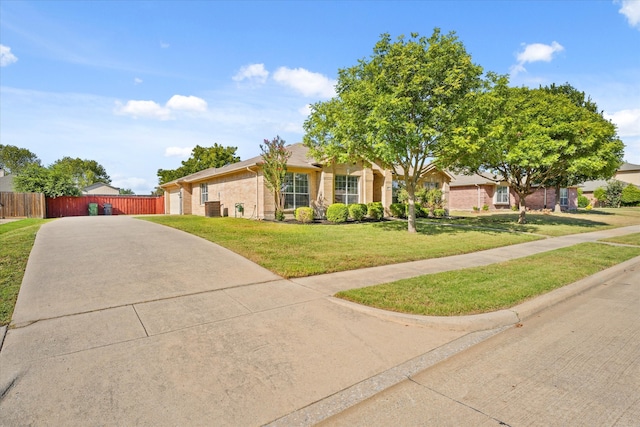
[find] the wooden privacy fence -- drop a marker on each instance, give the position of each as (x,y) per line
(21,205)
(120,205)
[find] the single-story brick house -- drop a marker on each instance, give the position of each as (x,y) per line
(241,190)
(467,191)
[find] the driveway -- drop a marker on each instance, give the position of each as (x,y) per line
(124,322)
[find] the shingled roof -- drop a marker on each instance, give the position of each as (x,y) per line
(299,159)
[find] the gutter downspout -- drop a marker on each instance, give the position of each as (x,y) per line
(478,187)
(257,186)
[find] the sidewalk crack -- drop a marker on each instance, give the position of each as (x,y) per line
(140,320)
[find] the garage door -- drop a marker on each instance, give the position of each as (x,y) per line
(175,207)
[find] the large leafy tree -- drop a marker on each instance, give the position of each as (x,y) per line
(395,108)
(201,158)
(52,182)
(83,172)
(274,168)
(594,158)
(14,159)
(531,137)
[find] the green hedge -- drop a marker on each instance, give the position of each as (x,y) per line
(357,212)
(398,210)
(304,215)
(338,212)
(375,210)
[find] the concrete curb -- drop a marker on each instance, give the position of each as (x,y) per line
(3,333)
(501,318)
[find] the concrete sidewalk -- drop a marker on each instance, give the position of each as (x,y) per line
(121,321)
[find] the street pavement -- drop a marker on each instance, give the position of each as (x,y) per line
(575,364)
(124,322)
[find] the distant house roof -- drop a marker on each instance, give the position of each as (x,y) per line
(299,159)
(591,186)
(627,167)
(99,185)
(475,179)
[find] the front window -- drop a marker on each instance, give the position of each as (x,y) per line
(204,193)
(346,189)
(564,197)
(431,185)
(296,190)
(502,195)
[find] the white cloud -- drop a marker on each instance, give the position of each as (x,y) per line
(627,122)
(178,151)
(6,57)
(138,109)
(535,52)
(305,82)
(137,80)
(254,72)
(187,103)
(164,45)
(306,110)
(631,9)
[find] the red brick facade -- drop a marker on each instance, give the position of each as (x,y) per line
(466,197)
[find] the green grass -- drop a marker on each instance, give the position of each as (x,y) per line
(16,241)
(560,224)
(629,239)
(296,250)
(493,287)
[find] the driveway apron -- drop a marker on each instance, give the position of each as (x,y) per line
(124,322)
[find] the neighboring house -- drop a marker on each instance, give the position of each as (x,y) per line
(629,173)
(100,188)
(467,191)
(589,187)
(6,182)
(241,190)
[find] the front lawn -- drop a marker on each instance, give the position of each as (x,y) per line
(629,239)
(493,287)
(16,240)
(561,224)
(296,250)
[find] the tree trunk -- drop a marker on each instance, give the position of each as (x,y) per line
(557,208)
(411,217)
(522,217)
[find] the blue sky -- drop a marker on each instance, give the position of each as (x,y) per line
(135,85)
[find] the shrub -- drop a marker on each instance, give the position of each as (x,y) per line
(630,195)
(375,210)
(589,207)
(398,210)
(279,215)
(476,209)
(514,208)
(439,212)
(485,207)
(356,212)
(364,208)
(613,193)
(304,215)
(583,201)
(337,212)
(600,194)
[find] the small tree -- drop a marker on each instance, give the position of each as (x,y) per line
(613,193)
(274,168)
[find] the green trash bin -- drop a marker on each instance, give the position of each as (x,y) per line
(93,209)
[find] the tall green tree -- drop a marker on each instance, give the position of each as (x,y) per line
(201,158)
(597,157)
(52,182)
(13,159)
(530,137)
(274,168)
(395,108)
(83,172)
